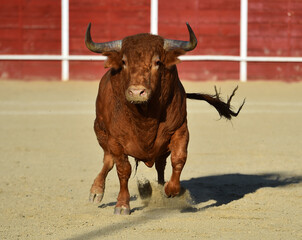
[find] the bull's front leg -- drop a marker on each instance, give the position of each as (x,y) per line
(178,148)
(123,168)
(98,187)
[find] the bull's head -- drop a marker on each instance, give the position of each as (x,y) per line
(142,59)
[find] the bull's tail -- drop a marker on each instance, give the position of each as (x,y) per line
(224,109)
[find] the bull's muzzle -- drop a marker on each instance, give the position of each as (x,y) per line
(137,94)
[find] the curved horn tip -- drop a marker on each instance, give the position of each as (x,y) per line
(88,27)
(193,38)
(189,27)
(101,47)
(88,40)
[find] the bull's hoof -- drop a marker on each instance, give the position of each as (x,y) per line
(170,190)
(96,197)
(121,211)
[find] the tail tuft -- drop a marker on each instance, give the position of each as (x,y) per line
(224,109)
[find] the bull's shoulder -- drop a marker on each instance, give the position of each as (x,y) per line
(105,83)
(177,109)
(105,105)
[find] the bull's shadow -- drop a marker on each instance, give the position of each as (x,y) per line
(226,188)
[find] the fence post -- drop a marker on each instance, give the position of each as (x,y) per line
(65,39)
(154,17)
(243,39)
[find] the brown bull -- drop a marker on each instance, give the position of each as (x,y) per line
(141,110)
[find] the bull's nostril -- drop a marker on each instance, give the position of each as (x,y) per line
(137,93)
(143,92)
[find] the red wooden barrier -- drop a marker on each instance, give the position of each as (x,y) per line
(34,27)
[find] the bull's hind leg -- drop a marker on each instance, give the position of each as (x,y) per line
(178,147)
(123,168)
(160,165)
(98,186)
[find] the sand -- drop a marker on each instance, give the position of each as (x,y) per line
(242,179)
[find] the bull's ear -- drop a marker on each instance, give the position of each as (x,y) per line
(172,57)
(113,59)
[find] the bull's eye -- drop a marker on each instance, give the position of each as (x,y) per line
(124,61)
(156,62)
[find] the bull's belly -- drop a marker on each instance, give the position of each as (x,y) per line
(140,148)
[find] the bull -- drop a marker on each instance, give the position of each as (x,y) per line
(141,110)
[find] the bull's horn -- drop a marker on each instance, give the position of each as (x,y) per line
(101,47)
(185,45)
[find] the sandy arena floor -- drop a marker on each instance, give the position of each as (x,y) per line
(242,178)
